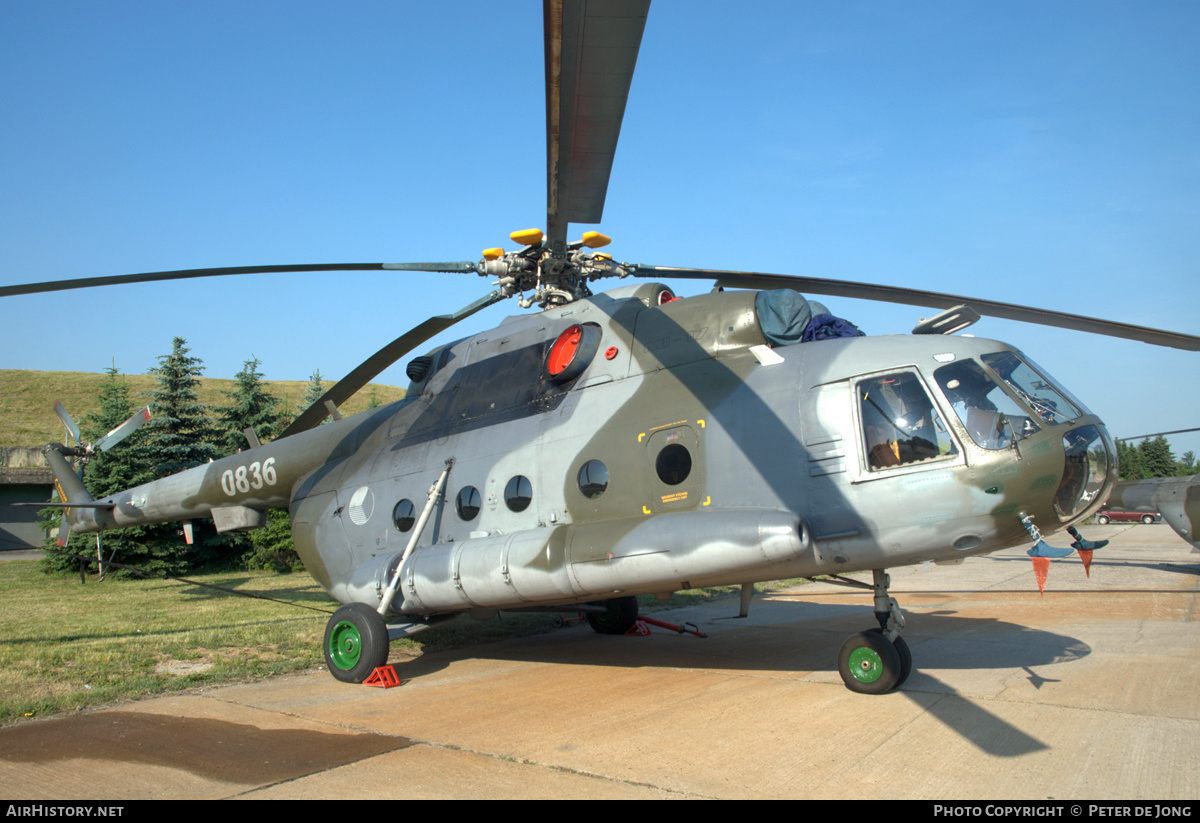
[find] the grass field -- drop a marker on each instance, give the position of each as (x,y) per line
(66,646)
(27,399)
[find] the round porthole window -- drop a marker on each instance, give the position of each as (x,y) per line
(518,494)
(673,464)
(468,502)
(593,479)
(404,515)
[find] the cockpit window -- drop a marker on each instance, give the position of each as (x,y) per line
(990,416)
(901,425)
(1033,389)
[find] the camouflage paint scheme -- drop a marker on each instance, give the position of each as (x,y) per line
(1176,498)
(779,483)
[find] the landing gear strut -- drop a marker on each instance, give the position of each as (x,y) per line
(877,660)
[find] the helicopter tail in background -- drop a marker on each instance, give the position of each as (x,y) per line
(1176,498)
(79,508)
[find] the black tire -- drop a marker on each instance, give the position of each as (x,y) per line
(1147,519)
(621,614)
(1102,520)
(356,643)
(905,657)
(905,661)
(869,663)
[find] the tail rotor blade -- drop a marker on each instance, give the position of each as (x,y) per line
(124,430)
(68,421)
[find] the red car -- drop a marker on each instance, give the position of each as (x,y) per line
(1105,517)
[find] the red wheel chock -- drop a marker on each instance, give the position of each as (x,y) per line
(383,677)
(643,624)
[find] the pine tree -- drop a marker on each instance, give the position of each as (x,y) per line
(1186,465)
(287,413)
(128,463)
(1129,462)
(1156,458)
(314,389)
(181,435)
(251,406)
(270,547)
(313,393)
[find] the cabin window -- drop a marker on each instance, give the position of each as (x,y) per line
(673,464)
(901,425)
(404,515)
(1033,389)
(518,494)
(593,479)
(990,416)
(468,502)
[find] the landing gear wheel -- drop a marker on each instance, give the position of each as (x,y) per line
(356,643)
(870,664)
(905,656)
(905,661)
(621,615)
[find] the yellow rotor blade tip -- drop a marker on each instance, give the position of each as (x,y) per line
(527,237)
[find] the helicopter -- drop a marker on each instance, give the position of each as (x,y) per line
(632,442)
(1176,498)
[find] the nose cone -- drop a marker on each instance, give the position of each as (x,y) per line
(1089,471)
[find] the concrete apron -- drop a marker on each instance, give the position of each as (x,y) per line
(1088,691)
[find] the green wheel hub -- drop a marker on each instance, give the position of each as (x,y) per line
(356,642)
(869,663)
(866,666)
(345,645)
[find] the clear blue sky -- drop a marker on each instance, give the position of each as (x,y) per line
(1021,151)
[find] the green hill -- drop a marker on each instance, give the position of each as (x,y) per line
(27,398)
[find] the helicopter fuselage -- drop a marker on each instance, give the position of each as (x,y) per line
(663,446)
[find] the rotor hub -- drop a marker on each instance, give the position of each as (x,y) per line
(554,279)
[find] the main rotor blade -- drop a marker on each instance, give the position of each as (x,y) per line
(187,274)
(591,51)
(365,372)
(918,297)
(1155,434)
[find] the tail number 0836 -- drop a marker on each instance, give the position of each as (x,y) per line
(244,478)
